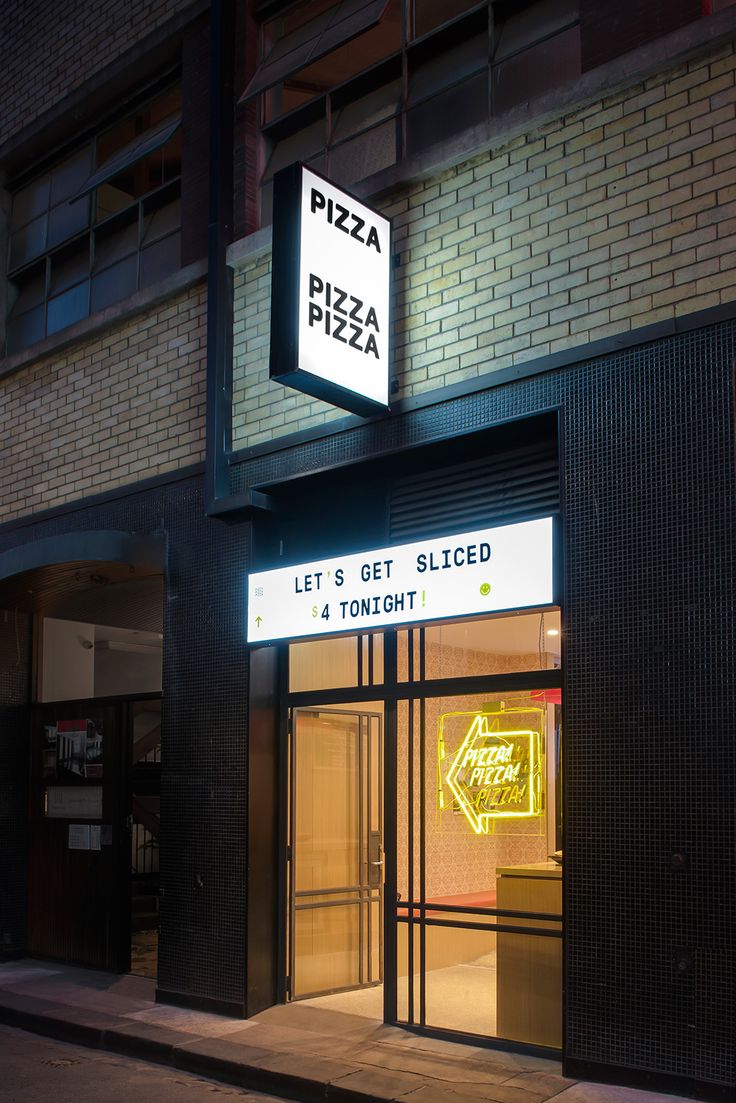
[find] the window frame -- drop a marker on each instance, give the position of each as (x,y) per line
(416,51)
(37,321)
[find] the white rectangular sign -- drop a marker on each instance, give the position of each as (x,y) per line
(343,290)
(508,567)
(332,255)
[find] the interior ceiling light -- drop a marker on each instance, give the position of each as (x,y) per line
(553,631)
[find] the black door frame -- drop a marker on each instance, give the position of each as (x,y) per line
(391,691)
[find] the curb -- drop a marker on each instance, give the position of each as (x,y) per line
(172,1048)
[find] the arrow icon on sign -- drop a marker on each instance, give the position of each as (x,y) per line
(259,621)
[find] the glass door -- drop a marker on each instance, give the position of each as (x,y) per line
(335,851)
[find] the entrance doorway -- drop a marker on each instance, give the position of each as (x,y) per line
(456,771)
(335,851)
(95,780)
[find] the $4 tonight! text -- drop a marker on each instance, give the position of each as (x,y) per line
(380,570)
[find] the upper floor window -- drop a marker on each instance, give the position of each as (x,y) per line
(97,226)
(355,86)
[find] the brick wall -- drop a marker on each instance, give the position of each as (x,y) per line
(50,49)
(127,405)
(262,409)
(619,215)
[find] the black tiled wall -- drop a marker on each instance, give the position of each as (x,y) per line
(648,488)
(202,949)
(15,674)
(648,491)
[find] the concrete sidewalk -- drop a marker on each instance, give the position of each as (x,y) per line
(301,1051)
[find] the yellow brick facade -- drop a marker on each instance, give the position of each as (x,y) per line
(120,407)
(619,215)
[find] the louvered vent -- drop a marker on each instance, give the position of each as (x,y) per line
(472,495)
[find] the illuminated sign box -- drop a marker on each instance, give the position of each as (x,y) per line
(488,571)
(329,293)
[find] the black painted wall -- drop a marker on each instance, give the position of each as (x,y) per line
(203,907)
(648,495)
(15,676)
(650,698)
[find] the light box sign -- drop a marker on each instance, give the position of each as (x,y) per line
(495,569)
(329,293)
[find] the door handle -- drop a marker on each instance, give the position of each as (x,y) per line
(377,863)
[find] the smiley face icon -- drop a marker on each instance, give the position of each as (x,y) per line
(485,589)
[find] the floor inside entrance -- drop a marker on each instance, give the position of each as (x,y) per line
(459,997)
(144,954)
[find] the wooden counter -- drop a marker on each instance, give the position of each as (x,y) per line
(529,977)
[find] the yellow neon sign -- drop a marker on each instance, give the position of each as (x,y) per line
(494,774)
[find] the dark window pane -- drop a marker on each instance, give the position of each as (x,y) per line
(69,266)
(67,308)
(297,147)
(429,14)
(529,74)
(136,181)
(156,148)
(348,60)
(68,177)
(314,40)
(133,126)
(67,219)
(114,283)
(366,111)
(163,107)
(109,199)
(160,259)
(536,22)
(28,290)
(27,242)
(450,67)
(437,119)
(116,239)
(368,153)
(30,202)
(296,21)
(24,330)
(161,221)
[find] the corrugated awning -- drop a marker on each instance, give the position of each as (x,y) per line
(134,151)
(309,43)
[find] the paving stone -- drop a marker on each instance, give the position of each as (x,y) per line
(381,1083)
(142,1040)
(307,1066)
(448,1069)
(546,1083)
(612,1093)
(220,1049)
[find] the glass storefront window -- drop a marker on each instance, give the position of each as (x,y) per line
(339,663)
(476,919)
(494,645)
(476,836)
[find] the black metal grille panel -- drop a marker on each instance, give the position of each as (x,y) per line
(648,492)
(470,495)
